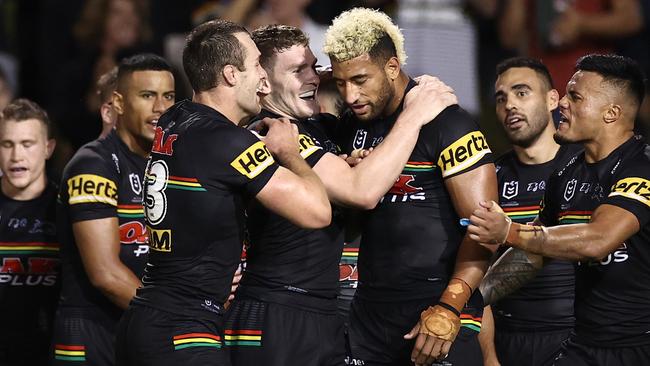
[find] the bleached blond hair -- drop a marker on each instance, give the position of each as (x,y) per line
(355,32)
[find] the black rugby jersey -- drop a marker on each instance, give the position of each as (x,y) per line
(410,240)
(103,179)
(285,261)
(612,302)
(202,169)
(348,276)
(546,302)
(29,271)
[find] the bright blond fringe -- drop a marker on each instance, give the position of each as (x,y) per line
(354,32)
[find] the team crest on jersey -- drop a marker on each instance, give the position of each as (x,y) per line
(136,186)
(510,189)
(570,189)
(360,139)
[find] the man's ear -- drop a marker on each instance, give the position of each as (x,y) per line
(49,148)
(230,75)
(118,103)
(552,99)
(392,68)
(613,113)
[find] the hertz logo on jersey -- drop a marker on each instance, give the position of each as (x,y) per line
(307,146)
(160,240)
(463,153)
(634,187)
(90,188)
(253,160)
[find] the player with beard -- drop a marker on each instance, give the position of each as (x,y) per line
(288,291)
(29,249)
(417,268)
(101,219)
(595,212)
(532,322)
(204,170)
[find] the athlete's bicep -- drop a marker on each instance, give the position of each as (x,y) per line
(614,225)
(286,194)
(98,242)
(469,188)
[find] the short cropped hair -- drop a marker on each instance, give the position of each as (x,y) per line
(140,62)
(530,63)
(364,31)
(209,48)
(273,39)
(620,71)
(106,84)
(24,109)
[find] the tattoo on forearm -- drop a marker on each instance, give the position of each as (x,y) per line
(509,273)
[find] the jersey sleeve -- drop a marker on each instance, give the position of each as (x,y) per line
(631,191)
(309,150)
(90,187)
(460,146)
(243,162)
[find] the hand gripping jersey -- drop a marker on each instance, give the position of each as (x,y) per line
(103,179)
(29,271)
(612,294)
(201,171)
(285,262)
(410,240)
(545,303)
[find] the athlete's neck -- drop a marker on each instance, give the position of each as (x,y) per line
(137,145)
(223,101)
(399,91)
(271,108)
(599,148)
(543,149)
(30,192)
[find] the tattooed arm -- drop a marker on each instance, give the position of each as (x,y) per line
(510,272)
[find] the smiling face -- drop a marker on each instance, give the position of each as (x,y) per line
(364,86)
(24,148)
(250,86)
(582,108)
(294,82)
(522,105)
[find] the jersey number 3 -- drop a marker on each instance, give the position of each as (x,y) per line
(155,201)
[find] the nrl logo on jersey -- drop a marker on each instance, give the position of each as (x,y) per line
(359,139)
(136,186)
(570,189)
(510,189)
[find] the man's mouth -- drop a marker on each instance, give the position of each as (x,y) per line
(515,121)
(308,95)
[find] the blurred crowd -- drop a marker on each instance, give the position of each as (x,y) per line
(54,52)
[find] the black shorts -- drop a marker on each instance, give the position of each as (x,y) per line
(270,334)
(575,354)
(83,336)
(528,348)
(377,330)
(148,336)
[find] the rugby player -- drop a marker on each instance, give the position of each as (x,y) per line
(105,87)
(289,289)
(101,218)
(29,249)
(203,172)
(532,322)
(595,212)
(417,268)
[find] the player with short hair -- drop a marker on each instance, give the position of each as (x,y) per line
(101,218)
(417,268)
(289,289)
(595,212)
(203,172)
(29,249)
(533,321)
